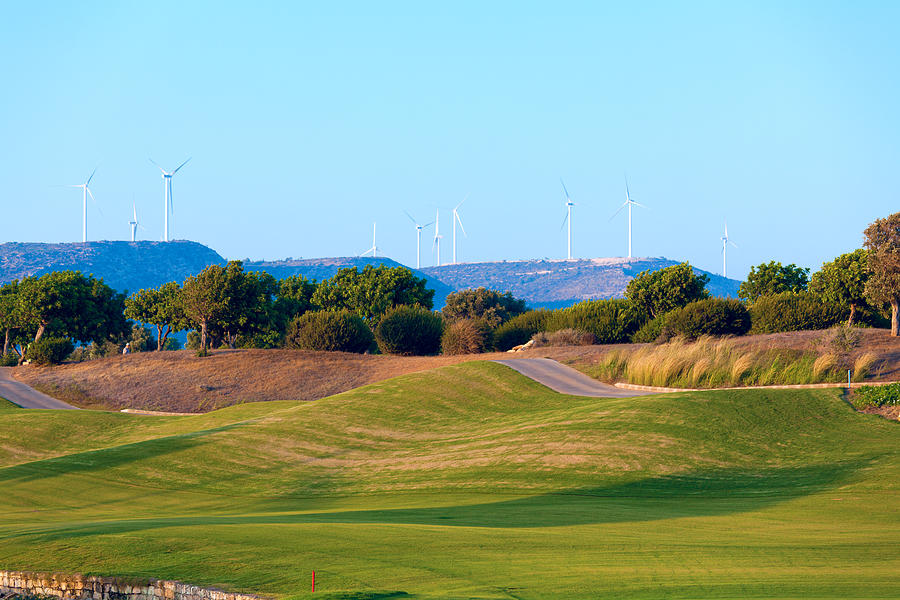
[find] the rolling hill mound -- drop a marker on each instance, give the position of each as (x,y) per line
(469,481)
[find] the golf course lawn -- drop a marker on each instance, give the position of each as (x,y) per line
(469,481)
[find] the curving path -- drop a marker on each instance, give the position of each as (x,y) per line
(26,396)
(566,380)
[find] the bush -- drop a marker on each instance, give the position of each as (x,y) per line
(712,316)
(466,336)
(481,303)
(173,344)
(873,396)
(10,360)
(193,340)
(142,339)
(49,350)
(334,331)
(651,332)
(794,311)
(520,329)
(409,330)
(564,337)
(610,321)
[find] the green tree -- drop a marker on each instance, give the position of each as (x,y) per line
(371,292)
(10,318)
(883,285)
(71,305)
(772,278)
(654,293)
(205,299)
(481,303)
(843,281)
(161,307)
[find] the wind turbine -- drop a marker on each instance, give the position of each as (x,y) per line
(725,242)
(134,223)
(85,192)
(628,203)
(419,229)
(374,248)
(167,179)
(456,220)
(568,219)
(437,236)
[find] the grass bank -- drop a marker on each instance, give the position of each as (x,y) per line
(466,482)
(723,362)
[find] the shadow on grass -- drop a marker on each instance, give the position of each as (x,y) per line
(105,458)
(705,493)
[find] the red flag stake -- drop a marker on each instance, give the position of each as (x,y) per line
(314,581)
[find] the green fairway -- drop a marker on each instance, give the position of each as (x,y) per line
(467,482)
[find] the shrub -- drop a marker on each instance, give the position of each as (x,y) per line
(481,303)
(409,330)
(173,344)
(712,316)
(49,350)
(520,329)
(10,360)
(842,338)
(610,321)
(651,331)
(336,331)
(565,337)
(141,339)
(794,311)
(193,340)
(873,396)
(466,336)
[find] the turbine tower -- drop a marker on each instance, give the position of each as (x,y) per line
(725,242)
(437,236)
(456,220)
(628,204)
(85,192)
(168,206)
(374,248)
(419,229)
(568,219)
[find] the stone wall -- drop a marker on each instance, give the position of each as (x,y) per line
(81,587)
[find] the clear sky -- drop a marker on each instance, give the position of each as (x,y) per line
(308,121)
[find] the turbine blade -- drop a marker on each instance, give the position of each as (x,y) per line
(461,203)
(458,220)
(564,187)
(566,218)
(411,218)
(92,176)
(181,165)
(615,214)
(157,165)
(94,200)
(429,225)
(639,204)
(732,243)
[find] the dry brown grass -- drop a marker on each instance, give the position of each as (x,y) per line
(182,382)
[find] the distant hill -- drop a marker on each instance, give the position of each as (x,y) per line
(556,283)
(131,266)
(123,266)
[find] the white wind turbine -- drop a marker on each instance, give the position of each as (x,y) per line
(85,192)
(374,248)
(568,219)
(167,179)
(725,242)
(437,236)
(134,223)
(628,204)
(419,229)
(456,220)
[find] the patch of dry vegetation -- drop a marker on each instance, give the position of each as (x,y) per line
(182,382)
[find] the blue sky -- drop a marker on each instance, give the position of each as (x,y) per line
(308,121)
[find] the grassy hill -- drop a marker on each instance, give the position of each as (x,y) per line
(469,481)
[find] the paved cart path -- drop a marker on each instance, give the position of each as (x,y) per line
(26,396)
(566,380)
